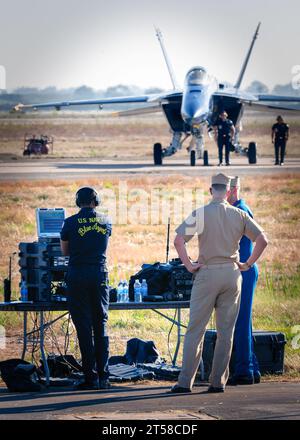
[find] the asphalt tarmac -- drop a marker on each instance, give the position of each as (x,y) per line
(151,400)
(40,168)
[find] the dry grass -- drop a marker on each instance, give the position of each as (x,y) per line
(94,135)
(274,200)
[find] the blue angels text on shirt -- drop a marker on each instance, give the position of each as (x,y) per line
(87,233)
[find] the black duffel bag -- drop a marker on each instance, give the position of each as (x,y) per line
(137,352)
(157,276)
(61,365)
(19,376)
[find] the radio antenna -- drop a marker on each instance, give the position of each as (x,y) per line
(168,241)
(7,281)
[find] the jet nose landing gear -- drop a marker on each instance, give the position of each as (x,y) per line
(196,148)
(159,152)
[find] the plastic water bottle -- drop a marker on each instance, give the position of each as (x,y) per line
(125,291)
(144,289)
(24,291)
(120,292)
(137,292)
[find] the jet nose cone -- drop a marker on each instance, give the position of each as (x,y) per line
(190,110)
(193,111)
(196,117)
(189,114)
(201,116)
(196,104)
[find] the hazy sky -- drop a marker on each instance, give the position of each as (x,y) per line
(67,43)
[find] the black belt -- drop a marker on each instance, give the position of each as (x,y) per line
(101,268)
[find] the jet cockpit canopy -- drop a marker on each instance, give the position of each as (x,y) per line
(197,76)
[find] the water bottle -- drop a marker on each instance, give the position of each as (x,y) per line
(120,292)
(24,291)
(144,289)
(125,291)
(137,292)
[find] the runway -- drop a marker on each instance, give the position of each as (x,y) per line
(151,401)
(40,168)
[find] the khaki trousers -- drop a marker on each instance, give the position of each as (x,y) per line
(215,287)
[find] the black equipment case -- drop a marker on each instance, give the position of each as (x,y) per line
(171,281)
(181,283)
(268,348)
(41,264)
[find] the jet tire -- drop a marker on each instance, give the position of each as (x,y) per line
(193,158)
(252,153)
(205,158)
(157,154)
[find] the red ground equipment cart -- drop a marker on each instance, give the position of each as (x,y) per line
(37,144)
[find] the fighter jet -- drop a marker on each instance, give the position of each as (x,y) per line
(192,110)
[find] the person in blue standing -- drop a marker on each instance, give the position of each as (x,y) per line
(246,368)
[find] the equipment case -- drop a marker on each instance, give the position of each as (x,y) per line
(268,348)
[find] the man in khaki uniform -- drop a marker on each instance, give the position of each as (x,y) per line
(217,280)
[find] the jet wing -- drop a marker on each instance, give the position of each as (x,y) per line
(263,101)
(278,98)
(278,102)
(59,104)
(139,111)
(151,98)
(276,105)
(232,92)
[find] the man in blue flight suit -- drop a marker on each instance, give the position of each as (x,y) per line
(224,133)
(84,237)
(246,371)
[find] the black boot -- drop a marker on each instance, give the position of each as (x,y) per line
(242,380)
(87,385)
(212,389)
(257,377)
(104,384)
(177,389)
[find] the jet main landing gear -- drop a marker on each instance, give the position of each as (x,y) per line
(159,153)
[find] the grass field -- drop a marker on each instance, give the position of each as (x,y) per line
(274,200)
(98,135)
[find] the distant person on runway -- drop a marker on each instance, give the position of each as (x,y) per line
(280,136)
(224,133)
